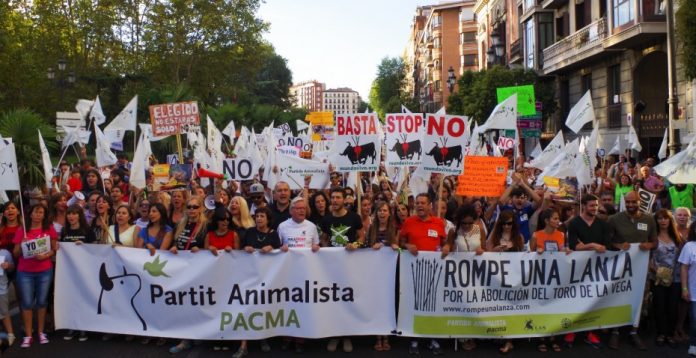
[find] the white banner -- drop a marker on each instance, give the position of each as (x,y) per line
(231,296)
(443,144)
(240,168)
(293,170)
(404,132)
(519,294)
(358,144)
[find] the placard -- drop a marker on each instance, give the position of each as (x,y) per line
(240,168)
(39,246)
(483,176)
(526,103)
(403,139)
(443,144)
(168,118)
(322,125)
(358,145)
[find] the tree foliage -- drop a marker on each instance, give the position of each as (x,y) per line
(476,95)
(686,35)
(387,94)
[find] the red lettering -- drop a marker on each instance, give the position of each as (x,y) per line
(456,126)
(437,125)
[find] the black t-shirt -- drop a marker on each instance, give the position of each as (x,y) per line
(256,239)
(341,229)
(185,242)
(84,235)
(278,216)
(598,233)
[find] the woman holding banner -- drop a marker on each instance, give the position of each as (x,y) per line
(241,218)
(35,270)
(157,235)
(122,232)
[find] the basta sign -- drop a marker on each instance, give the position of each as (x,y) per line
(357,145)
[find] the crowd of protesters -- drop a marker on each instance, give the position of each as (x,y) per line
(87,206)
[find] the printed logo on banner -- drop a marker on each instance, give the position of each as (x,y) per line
(444,142)
(426,280)
(107,284)
(155,268)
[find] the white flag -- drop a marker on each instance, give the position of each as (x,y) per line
(662,153)
(75,135)
(537,151)
(127,119)
(301,125)
(230,131)
(46,159)
(104,156)
(581,113)
(586,160)
(404,109)
(633,141)
(147,127)
(549,154)
(504,115)
(9,173)
(96,113)
(83,107)
(616,149)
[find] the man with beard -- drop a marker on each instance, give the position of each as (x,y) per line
(632,227)
(341,228)
(424,232)
(586,232)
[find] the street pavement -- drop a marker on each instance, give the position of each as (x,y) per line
(363,347)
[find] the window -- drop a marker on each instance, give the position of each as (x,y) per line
(528,4)
(466,14)
(623,12)
(614,84)
(467,37)
(469,60)
(529,42)
(437,85)
(437,42)
(586,83)
(437,20)
(545,30)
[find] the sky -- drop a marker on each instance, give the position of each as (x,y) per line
(338,42)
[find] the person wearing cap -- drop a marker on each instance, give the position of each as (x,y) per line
(257,196)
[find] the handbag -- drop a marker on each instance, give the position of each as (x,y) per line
(664,276)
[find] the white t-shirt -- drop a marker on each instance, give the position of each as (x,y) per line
(298,235)
(688,257)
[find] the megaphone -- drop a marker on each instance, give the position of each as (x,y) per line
(209,202)
(77,196)
(204,173)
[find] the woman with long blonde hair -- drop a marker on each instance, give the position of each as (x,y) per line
(241,218)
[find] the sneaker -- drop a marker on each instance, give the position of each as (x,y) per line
(592,340)
(637,342)
(43,338)
(333,343)
(413,348)
(614,340)
(10,339)
(692,351)
(26,342)
(69,335)
(183,346)
(347,345)
(435,348)
(83,336)
(265,347)
(240,353)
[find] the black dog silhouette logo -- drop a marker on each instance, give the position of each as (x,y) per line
(108,284)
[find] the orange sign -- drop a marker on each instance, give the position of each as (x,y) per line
(483,176)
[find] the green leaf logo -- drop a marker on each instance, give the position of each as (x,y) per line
(155,268)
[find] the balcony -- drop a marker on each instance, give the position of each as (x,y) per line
(614,115)
(649,25)
(582,45)
(553,4)
(429,42)
(437,53)
(515,51)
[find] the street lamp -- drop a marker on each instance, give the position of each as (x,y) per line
(451,79)
(62,82)
(496,52)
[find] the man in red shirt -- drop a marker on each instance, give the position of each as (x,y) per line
(424,232)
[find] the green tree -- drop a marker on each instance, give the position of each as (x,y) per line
(21,125)
(476,95)
(386,93)
(686,35)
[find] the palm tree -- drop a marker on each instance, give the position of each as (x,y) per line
(21,125)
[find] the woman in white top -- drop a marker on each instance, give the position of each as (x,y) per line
(469,237)
(122,232)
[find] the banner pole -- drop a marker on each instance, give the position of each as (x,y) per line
(21,207)
(439,191)
(358,189)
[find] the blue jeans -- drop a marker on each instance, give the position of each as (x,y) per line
(33,288)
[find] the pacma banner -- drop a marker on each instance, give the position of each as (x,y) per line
(231,296)
(519,294)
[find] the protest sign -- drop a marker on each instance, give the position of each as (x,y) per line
(443,144)
(231,296)
(357,146)
(506,143)
(240,168)
(403,139)
(322,125)
(39,246)
(288,150)
(303,143)
(9,172)
(526,102)
(483,176)
(647,199)
(168,118)
(519,294)
(171,176)
(293,170)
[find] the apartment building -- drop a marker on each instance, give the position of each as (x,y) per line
(441,46)
(341,100)
(308,95)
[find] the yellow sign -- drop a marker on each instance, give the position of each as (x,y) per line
(322,125)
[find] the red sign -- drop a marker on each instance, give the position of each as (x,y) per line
(167,119)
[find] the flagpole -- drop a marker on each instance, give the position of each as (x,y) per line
(21,207)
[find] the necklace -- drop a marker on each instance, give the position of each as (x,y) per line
(260,236)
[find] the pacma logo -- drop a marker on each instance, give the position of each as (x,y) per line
(108,284)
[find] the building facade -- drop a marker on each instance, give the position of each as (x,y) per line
(308,95)
(341,100)
(441,46)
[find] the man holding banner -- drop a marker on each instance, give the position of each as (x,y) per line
(424,232)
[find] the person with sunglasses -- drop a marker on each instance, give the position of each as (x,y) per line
(626,228)
(257,198)
(520,194)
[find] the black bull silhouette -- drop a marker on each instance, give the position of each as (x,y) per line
(406,150)
(446,155)
(360,153)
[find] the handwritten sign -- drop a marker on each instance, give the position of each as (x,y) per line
(167,119)
(39,246)
(526,103)
(483,176)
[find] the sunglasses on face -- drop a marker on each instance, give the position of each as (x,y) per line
(193,207)
(507,223)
